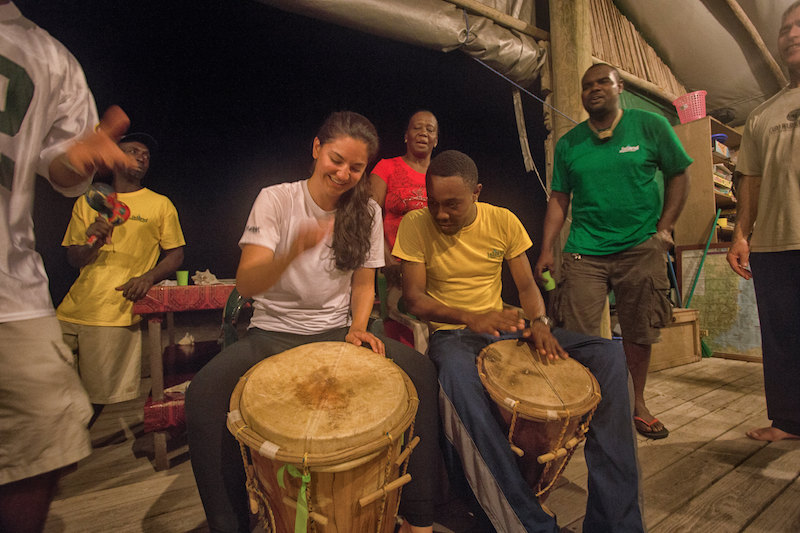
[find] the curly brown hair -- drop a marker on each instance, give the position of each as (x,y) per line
(354,214)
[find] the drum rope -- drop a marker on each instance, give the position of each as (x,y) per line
(539,490)
(252,488)
(583,428)
(514,413)
(386,473)
(307,483)
(404,468)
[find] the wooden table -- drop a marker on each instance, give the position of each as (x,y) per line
(163,301)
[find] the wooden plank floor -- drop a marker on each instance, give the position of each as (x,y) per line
(705,477)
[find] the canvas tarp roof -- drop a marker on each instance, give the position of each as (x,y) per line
(702,41)
(434,24)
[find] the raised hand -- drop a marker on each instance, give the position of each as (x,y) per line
(308,236)
(99,150)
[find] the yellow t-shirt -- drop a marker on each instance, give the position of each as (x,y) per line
(463,270)
(135,247)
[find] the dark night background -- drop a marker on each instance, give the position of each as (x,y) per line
(234,93)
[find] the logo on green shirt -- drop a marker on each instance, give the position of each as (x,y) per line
(626,149)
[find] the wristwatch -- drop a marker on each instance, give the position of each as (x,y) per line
(544,319)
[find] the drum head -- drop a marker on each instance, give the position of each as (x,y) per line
(323,397)
(544,390)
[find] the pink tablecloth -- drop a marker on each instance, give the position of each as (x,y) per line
(160,299)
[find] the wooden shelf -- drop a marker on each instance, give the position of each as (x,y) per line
(724,234)
(695,223)
(724,201)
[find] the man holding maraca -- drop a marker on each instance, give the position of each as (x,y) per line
(115,237)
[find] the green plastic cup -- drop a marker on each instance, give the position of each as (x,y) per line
(549,282)
(182,276)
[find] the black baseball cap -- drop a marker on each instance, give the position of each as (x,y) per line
(143,138)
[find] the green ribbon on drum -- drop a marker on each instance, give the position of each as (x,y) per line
(301,517)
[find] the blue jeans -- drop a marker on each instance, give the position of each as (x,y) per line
(491,467)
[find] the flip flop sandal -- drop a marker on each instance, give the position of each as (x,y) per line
(649,432)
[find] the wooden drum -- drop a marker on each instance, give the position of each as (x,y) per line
(545,406)
(321,429)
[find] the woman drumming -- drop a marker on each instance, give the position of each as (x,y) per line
(398,184)
(309,253)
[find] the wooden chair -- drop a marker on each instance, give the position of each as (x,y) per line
(399,325)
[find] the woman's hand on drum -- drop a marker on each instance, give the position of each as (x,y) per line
(493,322)
(359,337)
(543,341)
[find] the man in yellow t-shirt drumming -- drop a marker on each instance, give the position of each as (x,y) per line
(453,252)
(116,270)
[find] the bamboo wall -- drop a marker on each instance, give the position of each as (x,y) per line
(617,42)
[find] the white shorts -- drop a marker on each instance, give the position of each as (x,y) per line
(109,360)
(44,409)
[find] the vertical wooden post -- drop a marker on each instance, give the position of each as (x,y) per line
(570,56)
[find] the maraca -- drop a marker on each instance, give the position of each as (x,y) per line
(102,198)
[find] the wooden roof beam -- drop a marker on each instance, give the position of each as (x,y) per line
(758,41)
(501,18)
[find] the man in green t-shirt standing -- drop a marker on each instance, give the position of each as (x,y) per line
(610,168)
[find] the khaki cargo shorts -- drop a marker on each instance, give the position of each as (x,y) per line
(109,360)
(44,409)
(638,277)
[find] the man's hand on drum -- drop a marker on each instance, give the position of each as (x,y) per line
(359,337)
(543,341)
(493,322)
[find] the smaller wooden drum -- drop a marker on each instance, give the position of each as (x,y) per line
(545,406)
(321,427)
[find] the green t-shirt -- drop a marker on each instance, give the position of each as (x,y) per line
(617,185)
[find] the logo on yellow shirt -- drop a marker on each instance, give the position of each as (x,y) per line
(495,253)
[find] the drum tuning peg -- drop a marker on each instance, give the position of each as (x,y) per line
(316,517)
(394,485)
(547,457)
(407,451)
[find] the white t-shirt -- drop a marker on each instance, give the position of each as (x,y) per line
(771,149)
(46,104)
(312,295)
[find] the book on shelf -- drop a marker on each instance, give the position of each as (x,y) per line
(722,182)
(722,169)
